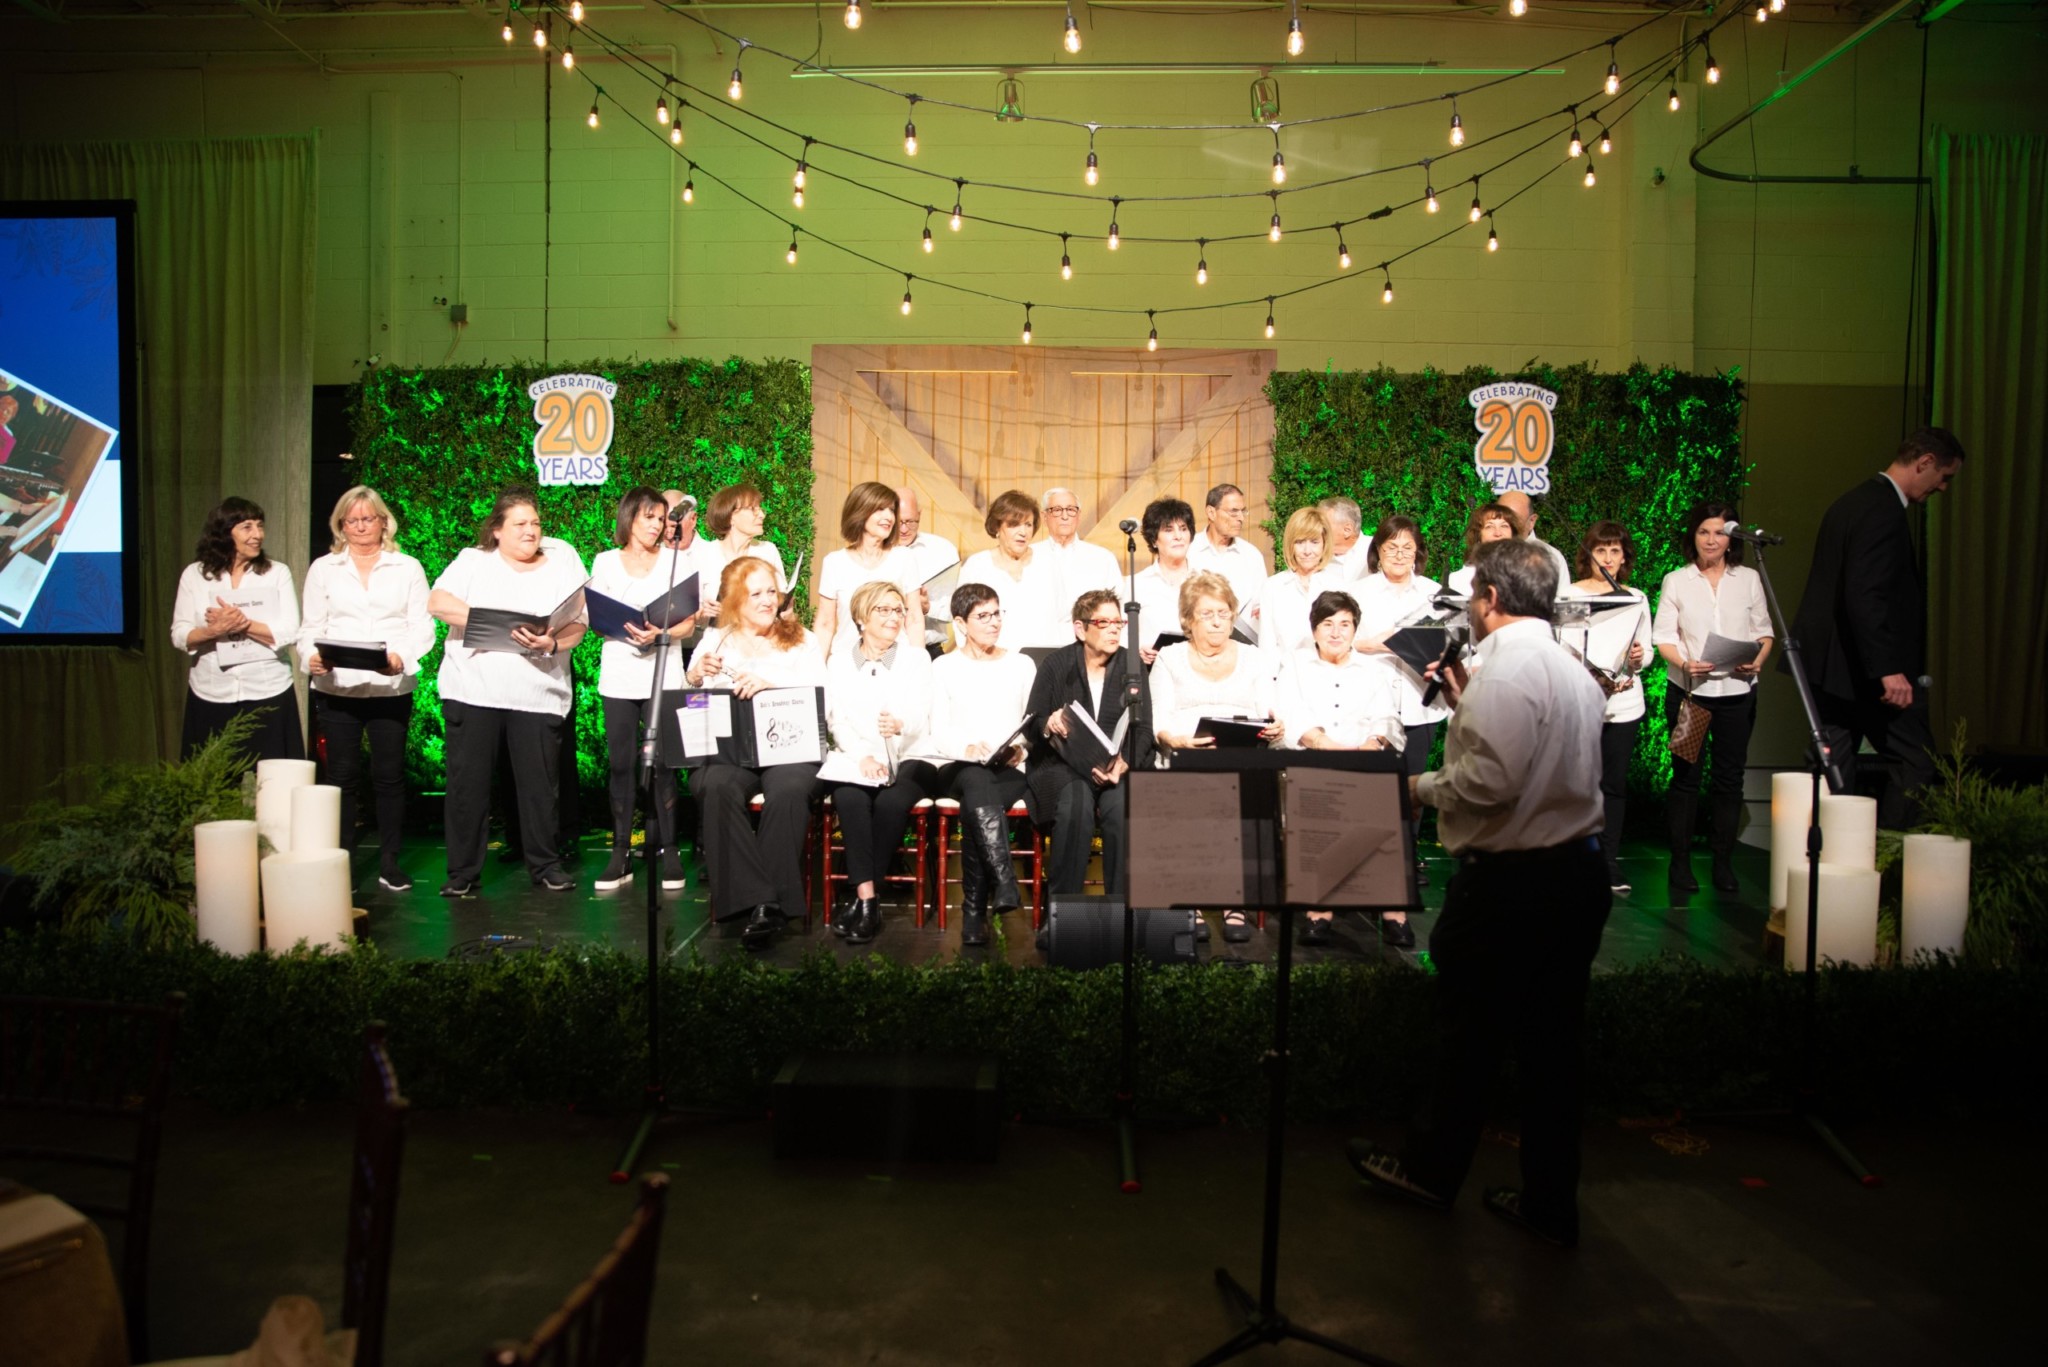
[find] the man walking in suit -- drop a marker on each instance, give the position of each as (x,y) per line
(1862,625)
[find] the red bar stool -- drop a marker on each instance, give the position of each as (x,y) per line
(1031,852)
(917,839)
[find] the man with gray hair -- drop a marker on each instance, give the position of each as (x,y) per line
(933,554)
(1082,566)
(1518,803)
(1221,547)
(1345,553)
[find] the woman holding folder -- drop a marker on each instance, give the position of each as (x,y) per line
(1392,594)
(1713,595)
(878,699)
(637,571)
(366,593)
(236,616)
(756,871)
(513,687)
(1606,556)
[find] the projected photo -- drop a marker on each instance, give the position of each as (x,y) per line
(51,459)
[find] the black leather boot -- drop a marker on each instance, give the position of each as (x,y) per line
(989,828)
(1727,812)
(1679,812)
(864,920)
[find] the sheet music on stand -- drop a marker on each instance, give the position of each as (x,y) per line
(775,726)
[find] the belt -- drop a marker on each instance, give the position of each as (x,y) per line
(1588,843)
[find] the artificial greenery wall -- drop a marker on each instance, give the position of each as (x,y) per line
(440,444)
(1641,447)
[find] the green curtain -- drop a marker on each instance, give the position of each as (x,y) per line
(1987,551)
(224,302)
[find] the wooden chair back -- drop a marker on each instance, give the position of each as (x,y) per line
(372,1198)
(603,1323)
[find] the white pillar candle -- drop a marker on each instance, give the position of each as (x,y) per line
(224,884)
(1936,902)
(316,817)
(1848,916)
(305,897)
(1848,831)
(1791,810)
(275,779)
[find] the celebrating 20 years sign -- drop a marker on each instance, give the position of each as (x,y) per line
(1516,433)
(573,442)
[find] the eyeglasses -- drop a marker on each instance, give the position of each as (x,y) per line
(1064,511)
(887,612)
(992,615)
(1104,623)
(1215,615)
(1398,549)
(362,522)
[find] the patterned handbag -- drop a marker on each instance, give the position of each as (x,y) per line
(1689,732)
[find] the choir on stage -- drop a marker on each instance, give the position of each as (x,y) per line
(999,690)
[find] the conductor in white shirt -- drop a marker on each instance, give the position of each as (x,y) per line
(1518,803)
(1222,549)
(1080,565)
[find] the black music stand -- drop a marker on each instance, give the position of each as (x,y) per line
(1182,859)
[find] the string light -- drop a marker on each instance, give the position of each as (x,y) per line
(1518,8)
(790,255)
(1343,252)
(575,11)
(1606,143)
(1072,40)
(1762,14)
(1673,78)
(540,37)
(675,131)
(1476,211)
(690,186)
(1279,165)
(1066,262)
(661,109)
(853,13)
(1777,6)
(1269,317)
(568,57)
(1387,294)
(1152,339)
(506,32)
(1578,147)
(1613,86)
(1492,237)
(928,212)
(906,296)
(1713,68)
(734,90)
(1094,171)
(1027,325)
(954,221)
(1428,189)
(1590,177)
(910,130)
(1457,126)
(1294,41)
(1114,238)
(1202,261)
(592,118)
(1273,232)
(797,181)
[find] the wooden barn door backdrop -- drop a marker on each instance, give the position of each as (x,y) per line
(961,424)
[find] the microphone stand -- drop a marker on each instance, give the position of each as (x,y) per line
(1125,1102)
(654,1094)
(1820,764)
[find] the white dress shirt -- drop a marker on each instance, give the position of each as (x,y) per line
(1629,704)
(267,598)
(840,576)
(393,610)
(1080,566)
(625,670)
(1033,614)
(975,702)
(1384,605)
(509,679)
(1522,753)
(1159,603)
(712,557)
(934,555)
(1242,563)
(1350,565)
(1283,609)
(1690,607)
(858,690)
(1350,701)
(1181,696)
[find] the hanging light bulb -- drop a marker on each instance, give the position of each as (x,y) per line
(1457,127)
(1590,177)
(1114,238)
(1492,237)
(1027,325)
(1762,13)
(568,57)
(1387,294)
(1613,86)
(689,188)
(675,133)
(1713,69)
(1429,199)
(1518,8)
(1475,211)
(661,109)
(1578,147)
(797,198)
(735,90)
(1279,168)
(591,118)
(928,241)
(1674,92)
(1606,143)
(910,138)
(540,37)
(1152,340)
(802,176)
(1094,172)
(1269,317)
(1343,252)
(1777,6)
(790,255)
(575,11)
(853,13)
(1066,262)
(954,221)
(1202,261)
(1273,230)
(906,296)
(506,32)
(1072,40)
(1294,43)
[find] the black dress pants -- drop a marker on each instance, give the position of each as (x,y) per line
(1513,950)
(344,721)
(622,740)
(533,740)
(752,864)
(872,820)
(1727,741)
(277,736)
(1082,807)
(1617,746)
(1902,735)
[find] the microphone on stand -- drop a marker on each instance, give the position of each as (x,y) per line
(1128,526)
(684,507)
(1736,531)
(1608,577)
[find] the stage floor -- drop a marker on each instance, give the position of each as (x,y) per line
(1718,930)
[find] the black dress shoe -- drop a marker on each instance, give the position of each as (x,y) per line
(555,881)
(459,887)
(1724,875)
(763,923)
(843,919)
(866,921)
(1679,876)
(1315,930)
(973,926)
(1399,934)
(1237,927)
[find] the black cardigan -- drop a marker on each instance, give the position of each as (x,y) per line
(1062,679)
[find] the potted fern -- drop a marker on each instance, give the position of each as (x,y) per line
(123,857)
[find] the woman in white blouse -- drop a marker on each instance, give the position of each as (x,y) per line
(1029,585)
(878,699)
(1714,593)
(366,591)
(1169,529)
(867,520)
(1284,602)
(980,693)
(736,518)
(1392,594)
(236,616)
(1608,547)
(1209,675)
(1488,522)
(1332,697)
(756,871)
(518,696)
(638,570)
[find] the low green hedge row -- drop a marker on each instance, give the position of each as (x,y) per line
(568,1028)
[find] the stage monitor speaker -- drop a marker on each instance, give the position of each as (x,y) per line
(1088,932)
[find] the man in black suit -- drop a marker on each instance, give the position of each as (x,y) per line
(1862,625)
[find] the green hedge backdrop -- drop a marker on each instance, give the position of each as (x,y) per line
(1642,446)
(440,444)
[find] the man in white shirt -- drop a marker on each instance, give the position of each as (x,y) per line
(1082,565)
(1517,502)
(1346,550)
(1518,802)
(1222,549)
(934,554)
